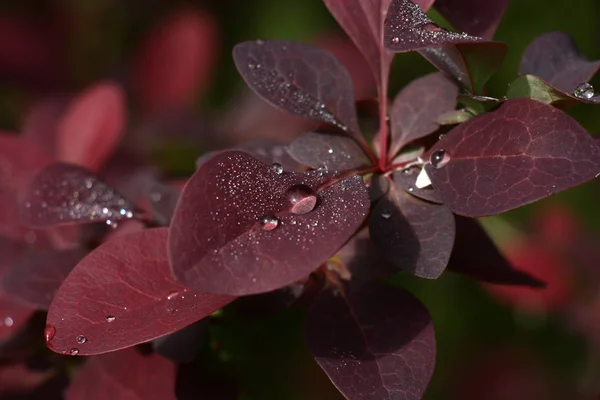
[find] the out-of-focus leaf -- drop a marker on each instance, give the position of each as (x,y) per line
(521,152)
(35,280)
(92,126)
(299,78)
(244,227)
(375,343)
(474,254)
(67,194)
(478,18)
(122,294)
(555,58)
(532,87)
(327,150)
(176,60)
(417,107)
(41,122)
(416,236)
(183,345)
(126,374)
(163,199)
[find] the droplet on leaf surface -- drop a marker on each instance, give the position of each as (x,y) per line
(49,332)
(277,168)
(110,318)
(269,222)
(74,351)
(584,91)
(439,158)
(302,198)
(81,339)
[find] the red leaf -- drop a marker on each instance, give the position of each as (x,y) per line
(300,79)
(92,126)
(479,18)
(244,227)
(68,194)
(327,150)
(41,123)
(375,343)
(521,152)
(414,235)
(124,375)
(418,106)
(123,294)
(176,60)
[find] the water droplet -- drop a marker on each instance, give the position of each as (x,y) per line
(8,321)
(172,295)
(439,158)
(584,91)
(407,171)
(395,40)
(411,189)
(112,224)
(269,222)
(432,27)
(260,42)
(330,151)
(386,215)
(81,339)
(277,168)
(302,199)
(441,136)
(49,332)
(110,318)
(74,351)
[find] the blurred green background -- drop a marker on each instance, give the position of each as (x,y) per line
(485,348)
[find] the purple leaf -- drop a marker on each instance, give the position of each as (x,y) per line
(67,194)
(299,78)
(521,152)
(270,151)
(331,151)
(414,235)
(468,59)
(126,374)
(475,255)
(35,280)
(375,343)
(163,199)
(406,179)
(123,294)
(476,17)
(244,227)
(418,106)
(555,58)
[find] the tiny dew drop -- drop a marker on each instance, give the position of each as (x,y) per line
(49,332)
(110,318)
(395,40)
(302,199)
(269,222)
(277,168)
(74,351)
(439,158)
(386,215)
(81,339)
(411,189)
(172,295)
(584,91)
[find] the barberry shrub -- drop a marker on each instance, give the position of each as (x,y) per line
(323,220)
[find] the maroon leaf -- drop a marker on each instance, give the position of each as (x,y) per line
(555,58)
(67,194)
(479,18)
(122,294)
(468,59)
(41,121)
(163,199)
(327,150)
(521,152)
(418,106)
(299,78)
(376,343)
(474,254)
(270,152)
(35,280)
(125,374)
(244,227)
(414,235)
(406,179)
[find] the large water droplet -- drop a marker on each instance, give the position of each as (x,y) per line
(110,318)
(269,222)
(81,339)
(74,351)
(584,91)
(439,158)
(302,199)
(277,168)
(8,321)
(49,332)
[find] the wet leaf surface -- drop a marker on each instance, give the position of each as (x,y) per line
(418,106)
(478,18)
(416,236)
(555,58)
(123,294)
(375,343)
(331,151)
(244,227)
(406,179)
(475,254)
(125,374)
(298,78)
(67,194)
(270,151)
(35,280)
(521,152)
